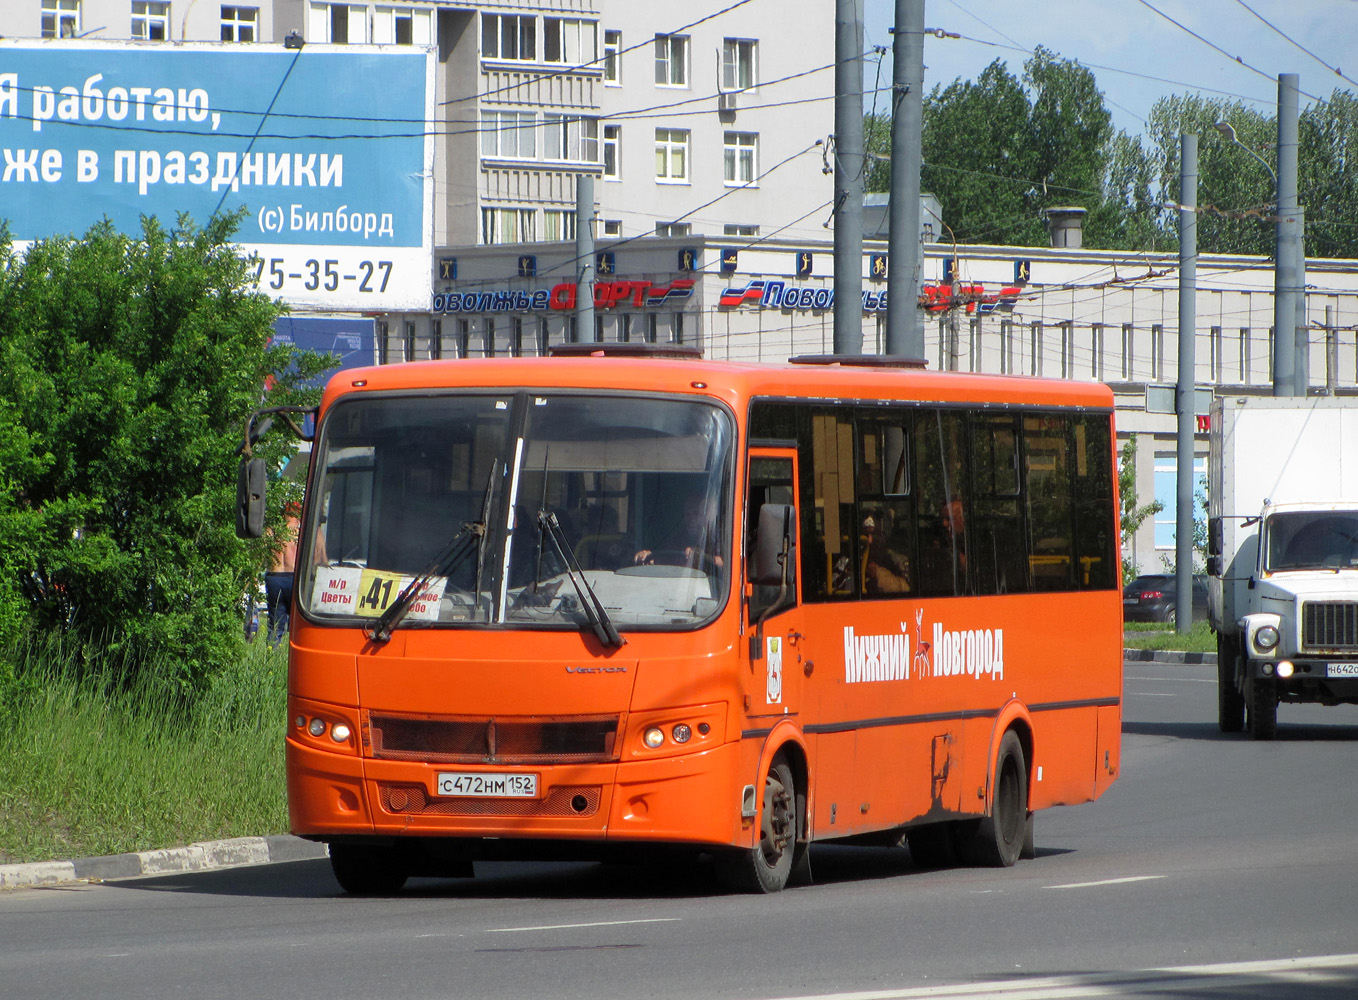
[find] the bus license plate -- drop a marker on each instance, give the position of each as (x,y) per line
(1341,670)
(487,785)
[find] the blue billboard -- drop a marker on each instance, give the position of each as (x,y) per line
(324,147)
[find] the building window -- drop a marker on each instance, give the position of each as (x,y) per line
(408,345)
(612,163)
(1096,345)
(1035,360)
(1167,492)
(570,137)
(567,40)
(150,21)
(671,60)
(509,134)
(1157,352)
(741,152)
(674,229)
(436,340)
(558,224)
(402,26)
(671,154)
(652,327)
(509,36)
(677,329)
(61,18)
(508,225)
(734,229)
(239,24)
(1006,347)
(1244,355)
(738,64)
(1128,350)
(612,227)
(613,58)
(1217,363)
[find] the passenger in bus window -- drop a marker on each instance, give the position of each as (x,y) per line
(885,571)
(692,542)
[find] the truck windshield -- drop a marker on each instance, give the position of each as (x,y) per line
(552,508)
(1312,540)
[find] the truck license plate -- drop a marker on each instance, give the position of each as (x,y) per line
(1341,670)
(487,785)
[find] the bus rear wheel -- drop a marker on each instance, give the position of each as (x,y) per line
(997,840)
(367,871)
(767,866)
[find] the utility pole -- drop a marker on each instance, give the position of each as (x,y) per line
(1185,391)
(585,329)
(904,325)
(1289,276)
(849,162)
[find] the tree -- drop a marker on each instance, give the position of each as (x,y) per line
(1133,514)
(128,368)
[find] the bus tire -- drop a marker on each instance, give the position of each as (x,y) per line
(1230,699)
(367,871)
(996,839)
(767,866)
(1262,705)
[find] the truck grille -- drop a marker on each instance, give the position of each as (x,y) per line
(1329,625)
(512,740)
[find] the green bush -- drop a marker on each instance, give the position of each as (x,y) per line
(127,368)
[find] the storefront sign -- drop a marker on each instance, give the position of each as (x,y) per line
(563,296)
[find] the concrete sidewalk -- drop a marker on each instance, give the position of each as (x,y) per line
(207,856)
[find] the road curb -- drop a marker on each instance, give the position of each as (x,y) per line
(209,855)
(1166,656)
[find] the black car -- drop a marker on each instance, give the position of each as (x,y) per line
(1153,598)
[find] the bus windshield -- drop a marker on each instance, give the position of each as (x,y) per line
(534,510)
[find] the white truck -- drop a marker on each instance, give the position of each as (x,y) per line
(1282,555)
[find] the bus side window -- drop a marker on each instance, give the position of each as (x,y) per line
(770,489)
(1051,520)
(941,501)
(998,565)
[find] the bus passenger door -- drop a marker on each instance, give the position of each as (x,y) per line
(774,619)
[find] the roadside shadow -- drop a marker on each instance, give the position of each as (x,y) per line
(1287,732)
(665,878)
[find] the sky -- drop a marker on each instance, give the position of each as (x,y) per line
(1125,41)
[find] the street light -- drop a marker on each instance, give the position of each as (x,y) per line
(1228,131)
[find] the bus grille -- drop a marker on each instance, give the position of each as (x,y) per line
(513,740)
(1329,625)
(564,800)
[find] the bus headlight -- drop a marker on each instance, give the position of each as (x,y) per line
(339,732)
(653,737)
(317,727)
(1266,637)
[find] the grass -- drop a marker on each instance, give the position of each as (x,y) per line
(88,767)
(1155,635)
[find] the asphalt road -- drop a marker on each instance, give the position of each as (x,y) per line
(1215,867)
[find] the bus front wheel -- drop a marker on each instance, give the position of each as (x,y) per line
(767,866)
(367,871)
(997,840)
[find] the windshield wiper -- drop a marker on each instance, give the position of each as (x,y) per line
(464,543)
(594,610)
(471,537)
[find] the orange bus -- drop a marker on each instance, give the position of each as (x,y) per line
(565,606)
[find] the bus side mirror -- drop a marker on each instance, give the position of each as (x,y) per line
(250,482)
(773,542)
(1214,536)
(1214,565)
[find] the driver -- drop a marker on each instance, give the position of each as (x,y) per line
(693,540)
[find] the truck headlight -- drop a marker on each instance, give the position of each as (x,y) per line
(1266,637)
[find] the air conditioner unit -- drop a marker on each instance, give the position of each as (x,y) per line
(727,102)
